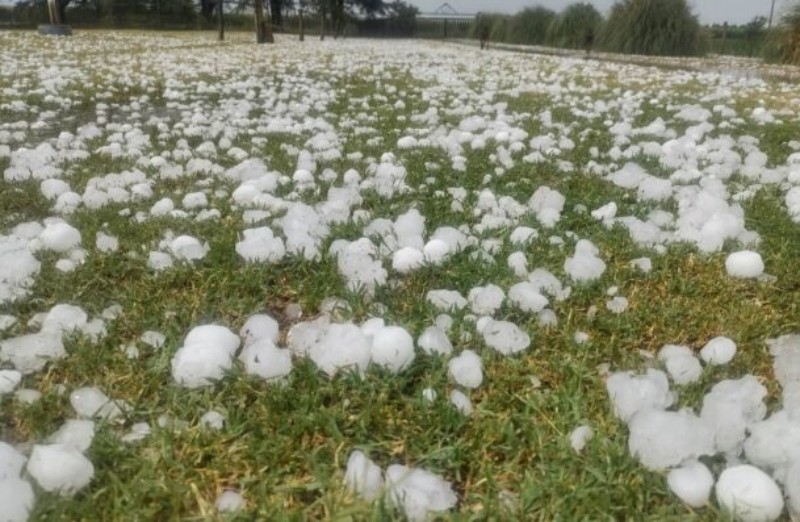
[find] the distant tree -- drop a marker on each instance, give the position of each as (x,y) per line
(572,26)
(530,25)
(654,27)
(784,43)
(755,27)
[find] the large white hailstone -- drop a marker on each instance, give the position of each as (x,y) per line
(579,437)
(663,439)
(486,300)
(418,492)
(446,300)
(434,341)
(436,251)
(342,347)
(229,502)
(748,494)
(505,337)
(195,200)
(792,487)
(466,369)
(304,335)
(90,402)
(159,261)
(30,353)
(16,500)
(162,207)
(633,393)
(205,356)
(106,243)
(407,142)
(606,212)
(65,318)
(75,433)
(11,462)
(692,483)
(731,408)
(213,419)
(518,264)
(719,350)
(257,327)
(407,259)
(617,304)
(52,188)
(547,204)
(9,380)
(682,365)
(522,236)
(585,265)
(60,469)
(744,265)
(392,348)
(18,267)
(60,237)
(260,245)
(264,359)
(785,351)
(363,477)
(461,402)
(527,297)
(188,248)
(772,443)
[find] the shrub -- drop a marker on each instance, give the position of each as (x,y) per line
(570,27)
(655,27)
(784,43)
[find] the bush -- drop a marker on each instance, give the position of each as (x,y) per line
(570,28)
(655,27)
(784,43)
(528,27)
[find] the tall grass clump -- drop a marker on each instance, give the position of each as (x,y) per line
(570,27)
(783,45)
(653,27)
(528,27)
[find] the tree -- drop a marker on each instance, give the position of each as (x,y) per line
(784,45)
(654,27)
(572,26)
(529,26)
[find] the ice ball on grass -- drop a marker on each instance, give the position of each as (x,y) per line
(75,433)
(617,305)
(229,502)
(485,300)
(436,251)
(9,380)
(16,500)
(213,419)
(342,347)
(792,487)
(731,407)
(407,259)
(748,494)
(257,327)
(461,402)
(264,359)
(466,369)
(663,439)
(633,393)
(580,436)
(434,341)
(205,356)
(363,477)
(11,462)
(30,353)
(418,492)
(106,243)
(60,237)
(260,246)
(90,402)
(60,469)
(773,443)
(692,483)
(527,297)
(188,248)
(719,350)
(744,265)
(682,365)
(392,348)
(446,300)
(505,337)
(584,265)
(65,318)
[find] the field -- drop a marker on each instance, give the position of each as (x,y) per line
(156,183)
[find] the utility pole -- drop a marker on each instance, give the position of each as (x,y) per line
(771,13)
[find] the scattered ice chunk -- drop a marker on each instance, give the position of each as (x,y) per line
(60,237)
(719,350)
(342,347)
(418,492)
(153,339)
(434,341)
(9,380)
(485,300)
(229,501)
(363,477)
(213,419)
(547,204)
(392,348)
(205,356)
(60,469)
(461,402)
(731,408)
(663,439)
(407,259)
(90,402)
(580,436)
(692,483)
(772,444)
(748,494)
(106,243)
(259,326)
(527,297)
(139,431)
(260,245)
(264,359)
(644,264)
(27,396)
(75,433)
(466,369)
(30,353)
(446,300)
(188,248)
(617,305)
(16,499)
(429,395)
(585,265)
(505,337)
(64,318)
(633,393)
(11,462)
(744,265)
(606,212)
(682,365)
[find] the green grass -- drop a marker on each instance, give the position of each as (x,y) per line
(285,446)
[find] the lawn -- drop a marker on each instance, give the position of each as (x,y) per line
(372,173)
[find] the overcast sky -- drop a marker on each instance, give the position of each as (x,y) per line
(709,11)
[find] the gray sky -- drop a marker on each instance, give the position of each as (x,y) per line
(709,11)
